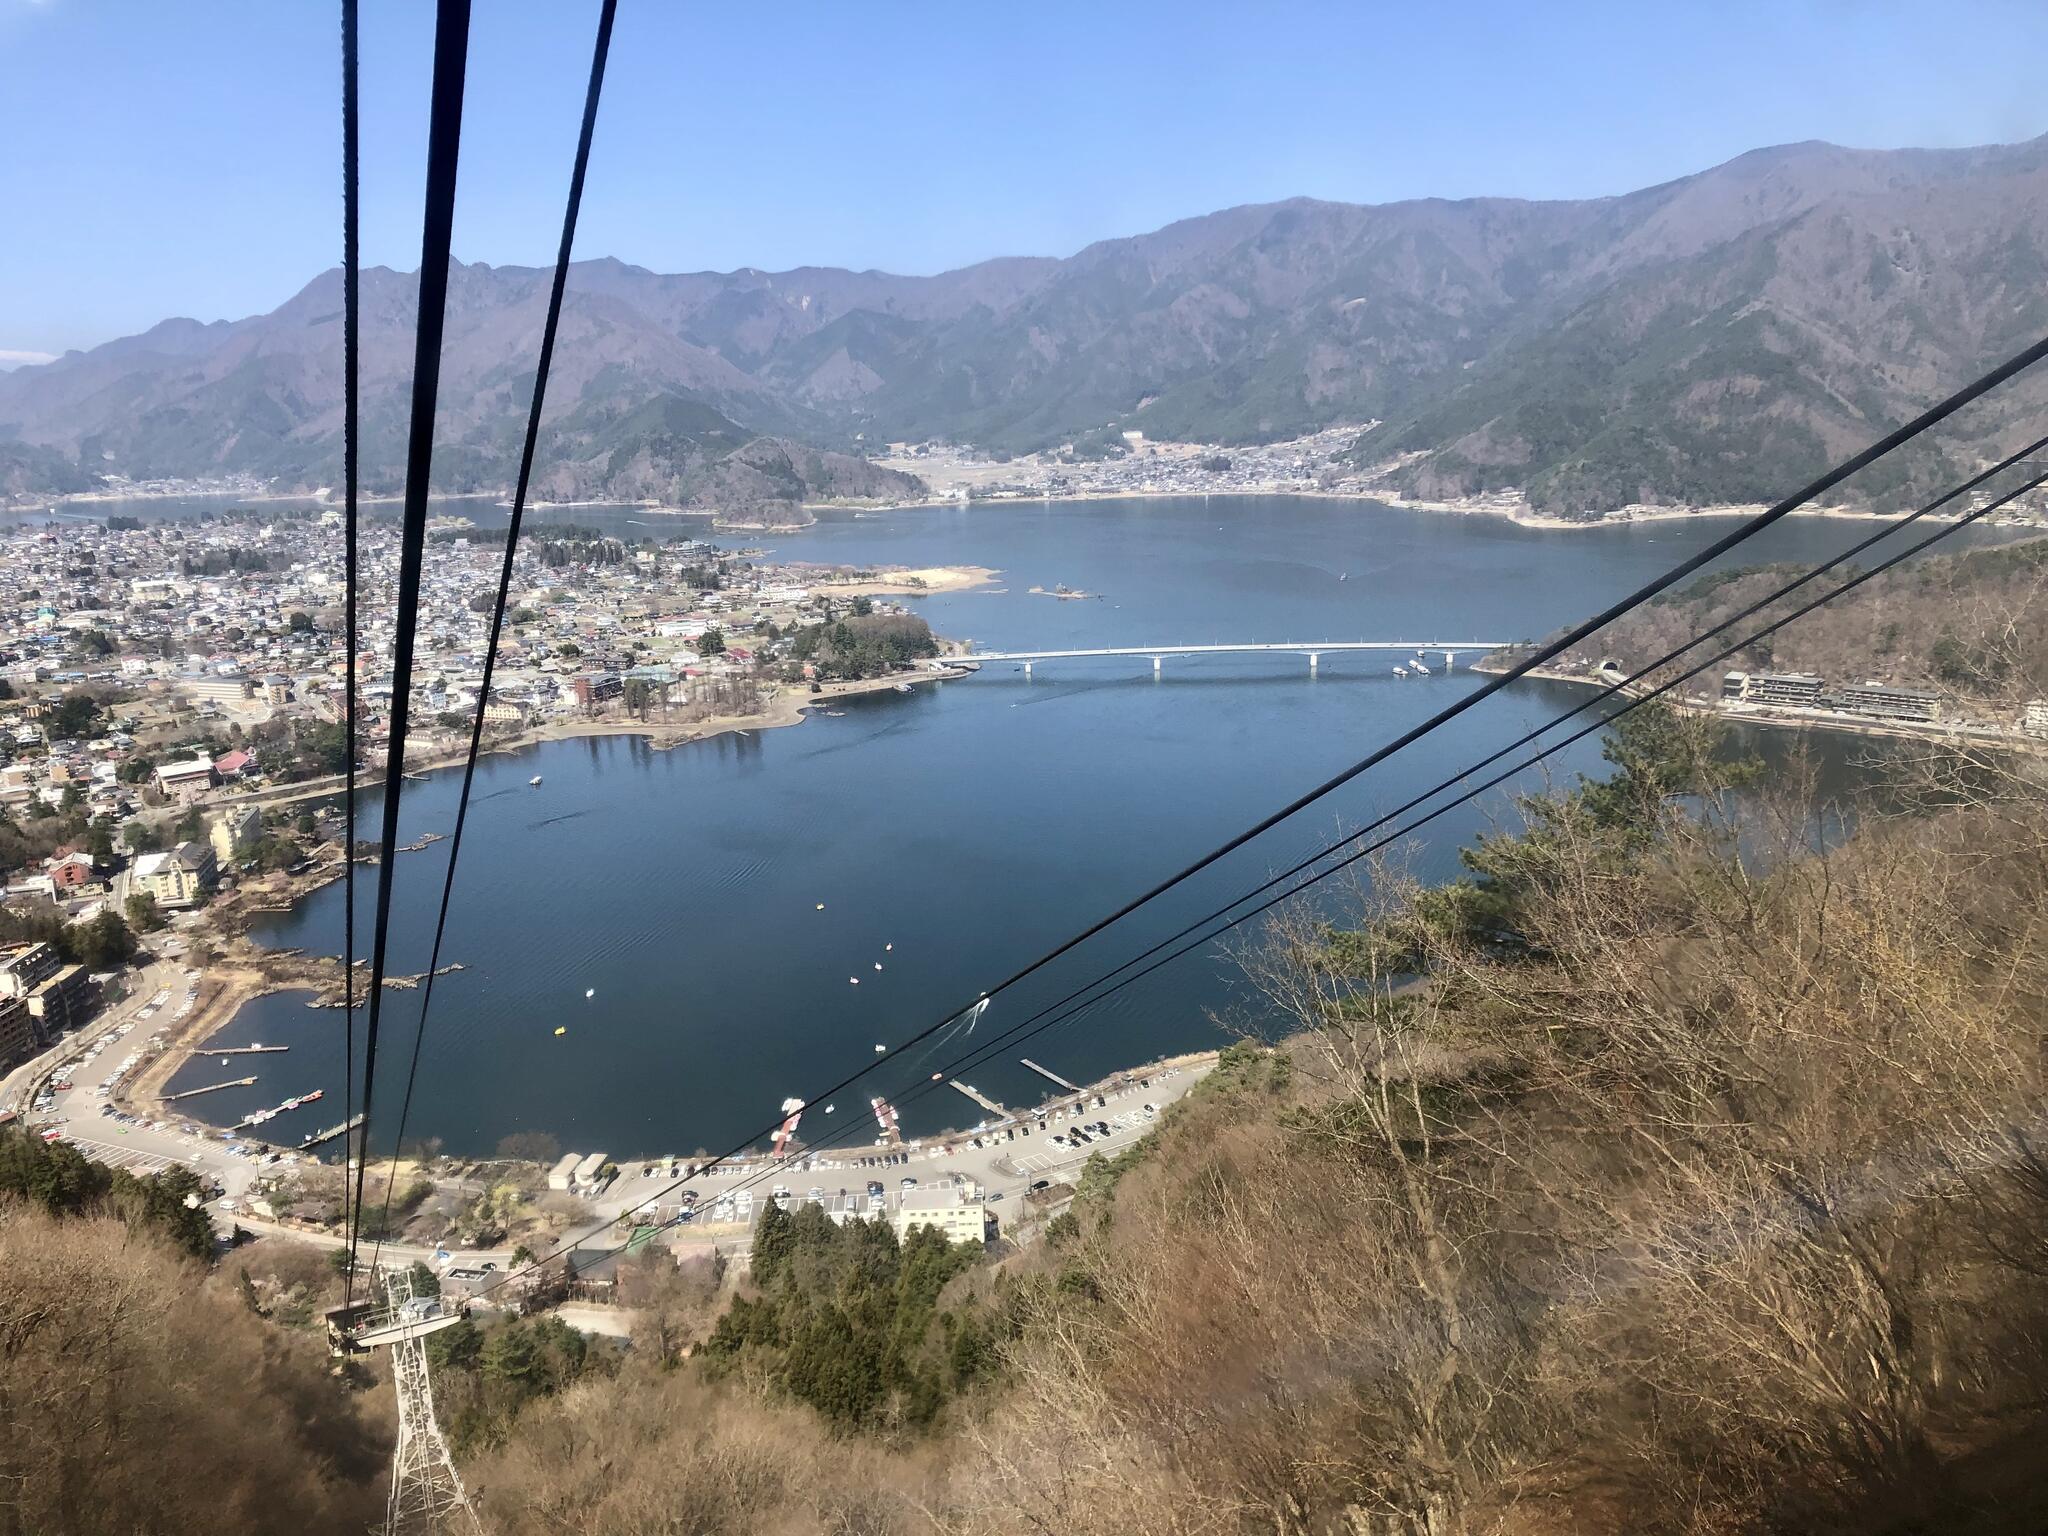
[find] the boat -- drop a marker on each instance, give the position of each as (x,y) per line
(1416,663)
(534,780)
(1400,671)
(784,1133)
(903,687)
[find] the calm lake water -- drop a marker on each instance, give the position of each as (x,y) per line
(951,834)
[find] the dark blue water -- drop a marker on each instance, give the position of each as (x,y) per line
(970,825)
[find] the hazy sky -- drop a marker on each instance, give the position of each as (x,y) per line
(183,158)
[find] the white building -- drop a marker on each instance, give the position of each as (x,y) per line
(564,1172)
(955,1209)
(177,877)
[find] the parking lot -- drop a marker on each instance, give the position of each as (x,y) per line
(1006,1159)
(77,1102)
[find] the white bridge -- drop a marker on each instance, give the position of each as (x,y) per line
(1315,651)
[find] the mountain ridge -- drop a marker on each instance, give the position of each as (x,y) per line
(1708,339)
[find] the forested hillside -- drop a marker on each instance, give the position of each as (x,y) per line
(1715,339)
(1974,625)
(1692,1186)
(142,1393)
(1678,1170)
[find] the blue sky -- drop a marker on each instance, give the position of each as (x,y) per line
(183,159)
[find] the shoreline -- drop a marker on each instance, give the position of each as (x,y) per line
(1779,718)
(1506,506)
(789,707)
(241,983)
(1542,522)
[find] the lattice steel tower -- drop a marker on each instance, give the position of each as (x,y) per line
(426,1493)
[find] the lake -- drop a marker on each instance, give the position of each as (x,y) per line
(718,902)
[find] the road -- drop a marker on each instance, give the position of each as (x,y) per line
(142,985)
(1011,1157)
(157,994)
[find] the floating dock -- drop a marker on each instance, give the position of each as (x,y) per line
(333,1131)
(193,1093)
(1048,1072)
(979,1097)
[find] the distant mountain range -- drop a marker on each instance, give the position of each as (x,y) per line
(1715,339)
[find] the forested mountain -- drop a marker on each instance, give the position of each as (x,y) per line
(1709,340)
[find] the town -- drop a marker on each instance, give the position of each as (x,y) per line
(173,697)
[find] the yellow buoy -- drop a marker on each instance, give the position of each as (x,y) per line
(561,1029)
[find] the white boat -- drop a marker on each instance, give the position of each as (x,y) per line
(534,780)
(1416,663)
(1400,671)
(903,687)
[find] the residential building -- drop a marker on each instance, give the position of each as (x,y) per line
(1884,702)
(26,967)
(64,1001)
(18,1038)
(955,1209)
(179,877)
(73,875)
(229,689)
(236,833)
(2034,718)
(187,781)
(1799,689)
(596,687)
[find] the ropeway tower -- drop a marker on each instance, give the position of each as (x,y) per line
(427,1497)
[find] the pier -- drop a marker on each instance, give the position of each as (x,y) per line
(979,1097)
(1048,1072)
(193,1093)
(240,1050)
(318,1138)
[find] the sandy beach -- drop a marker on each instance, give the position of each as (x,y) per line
(922,582)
